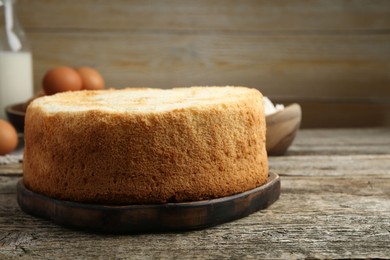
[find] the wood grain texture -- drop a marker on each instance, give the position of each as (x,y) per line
(341,142)
(342,113)
(335,203)
(317,52)
(252,60)
(205,15)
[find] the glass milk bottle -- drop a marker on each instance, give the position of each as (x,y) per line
(16,80)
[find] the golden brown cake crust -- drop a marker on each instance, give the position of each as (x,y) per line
(185,154)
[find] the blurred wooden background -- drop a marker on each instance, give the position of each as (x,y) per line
(330,56)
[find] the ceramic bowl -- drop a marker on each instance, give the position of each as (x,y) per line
(282,128)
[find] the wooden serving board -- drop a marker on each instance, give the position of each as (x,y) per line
(149,218)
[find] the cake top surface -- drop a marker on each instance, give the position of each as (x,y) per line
(142,100)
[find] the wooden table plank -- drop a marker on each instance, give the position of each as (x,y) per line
(11,170)
(335,203)
(300,224)
(337,165)
(369,141)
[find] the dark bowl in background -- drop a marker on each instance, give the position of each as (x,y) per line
(16,114)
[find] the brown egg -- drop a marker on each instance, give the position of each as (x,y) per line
(61,79)
(91,78)
(8,137)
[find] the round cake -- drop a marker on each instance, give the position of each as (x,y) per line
(146,146)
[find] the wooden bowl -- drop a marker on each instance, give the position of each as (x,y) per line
(15,114)
(282,128)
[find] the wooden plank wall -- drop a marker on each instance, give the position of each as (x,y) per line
(331,56)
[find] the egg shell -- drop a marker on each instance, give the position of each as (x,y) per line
(91,78)
(61,79)
(8,137)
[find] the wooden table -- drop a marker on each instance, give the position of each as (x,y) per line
(335,203)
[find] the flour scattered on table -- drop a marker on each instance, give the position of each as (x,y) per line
(270,108)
